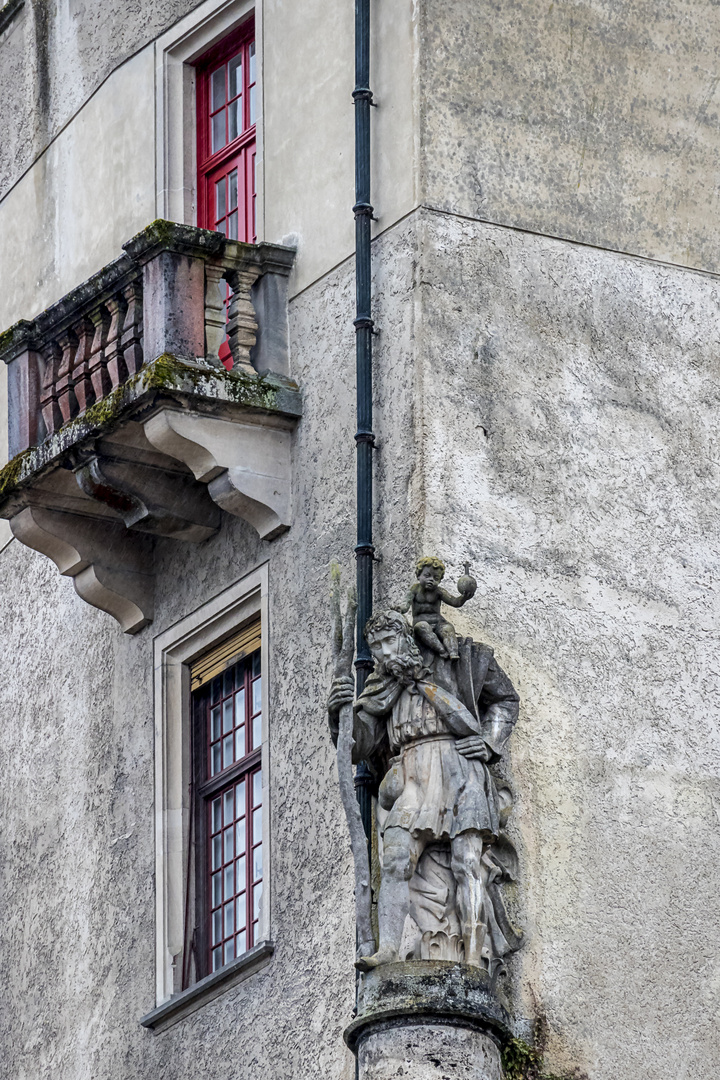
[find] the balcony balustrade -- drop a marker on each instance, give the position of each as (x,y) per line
(124,424)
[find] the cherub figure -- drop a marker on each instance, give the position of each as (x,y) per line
(424,599)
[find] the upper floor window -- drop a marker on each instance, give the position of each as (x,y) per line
(226,77)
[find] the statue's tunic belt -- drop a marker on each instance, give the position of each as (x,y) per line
(441,793)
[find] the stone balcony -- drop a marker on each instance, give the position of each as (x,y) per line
(124,423)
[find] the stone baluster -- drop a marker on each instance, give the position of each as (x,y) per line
(215,319)
(132,327)
(84,393)
(96,367)
(242,324)
(114,358)
(52,355)
(64,382)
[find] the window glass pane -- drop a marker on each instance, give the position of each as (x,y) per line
(217,88)
(229,800)
(240,837)
(257,696)
(227,716)
(218,131)
(257,788)
(229,920)
(240,743)
(257,863)
(239,699)
(256,663)
(251,62)
(251,105)
(215,760)
(234,119)
(232,229)
(257,824)
(240,798)
(232,184)
(228,682)
(217,959)
(216,815)
(228,751)
(229,951)
(235,75)
(220,206)
(216,688)
(217,852)
(257,731)
(216,889)
(228,845)
(217,926)
(241,870)
(215,724)
(240,946)
(229,881)
(257,896)
(240,911)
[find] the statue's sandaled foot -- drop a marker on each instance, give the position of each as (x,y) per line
(382,956)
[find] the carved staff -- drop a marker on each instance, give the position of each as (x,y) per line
(343,651)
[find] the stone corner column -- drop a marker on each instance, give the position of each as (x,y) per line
(429,1020)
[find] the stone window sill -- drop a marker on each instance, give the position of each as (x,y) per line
(181,1005)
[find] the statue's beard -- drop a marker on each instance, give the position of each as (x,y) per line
(406,669)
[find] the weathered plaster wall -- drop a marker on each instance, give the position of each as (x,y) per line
(594,120)
(90,191)
(60,51)
(77,868)
(71,210)
(570,450)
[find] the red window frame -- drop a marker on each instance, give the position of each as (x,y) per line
(236,112)
(226,180)
(227,720)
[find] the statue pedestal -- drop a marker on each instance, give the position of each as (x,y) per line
(428,1020)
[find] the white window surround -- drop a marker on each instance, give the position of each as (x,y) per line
(175,112)
(174,649)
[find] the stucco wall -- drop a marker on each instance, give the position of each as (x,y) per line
(78,810)
(570,449)
(595,120)
(68,209)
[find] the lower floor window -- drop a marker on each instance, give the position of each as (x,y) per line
(227,720)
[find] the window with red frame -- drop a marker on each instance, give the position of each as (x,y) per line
(227,715)
(226,84)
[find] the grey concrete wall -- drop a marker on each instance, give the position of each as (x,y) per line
(596,121)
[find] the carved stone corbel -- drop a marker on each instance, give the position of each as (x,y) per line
(108,565)
(149,499)
(246,466)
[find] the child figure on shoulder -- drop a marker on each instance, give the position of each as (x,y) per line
(423,600)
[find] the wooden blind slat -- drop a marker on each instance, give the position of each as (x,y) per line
(229,651)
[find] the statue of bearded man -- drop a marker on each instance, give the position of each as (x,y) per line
(433,728)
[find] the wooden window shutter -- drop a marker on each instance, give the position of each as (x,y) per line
(228,652)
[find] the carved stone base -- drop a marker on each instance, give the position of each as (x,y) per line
(429,1020)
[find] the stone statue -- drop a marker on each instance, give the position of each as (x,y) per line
(433,725)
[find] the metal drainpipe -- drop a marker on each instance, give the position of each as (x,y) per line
(364,437)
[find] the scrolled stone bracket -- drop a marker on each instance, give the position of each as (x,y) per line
(109,566)
(246,466)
